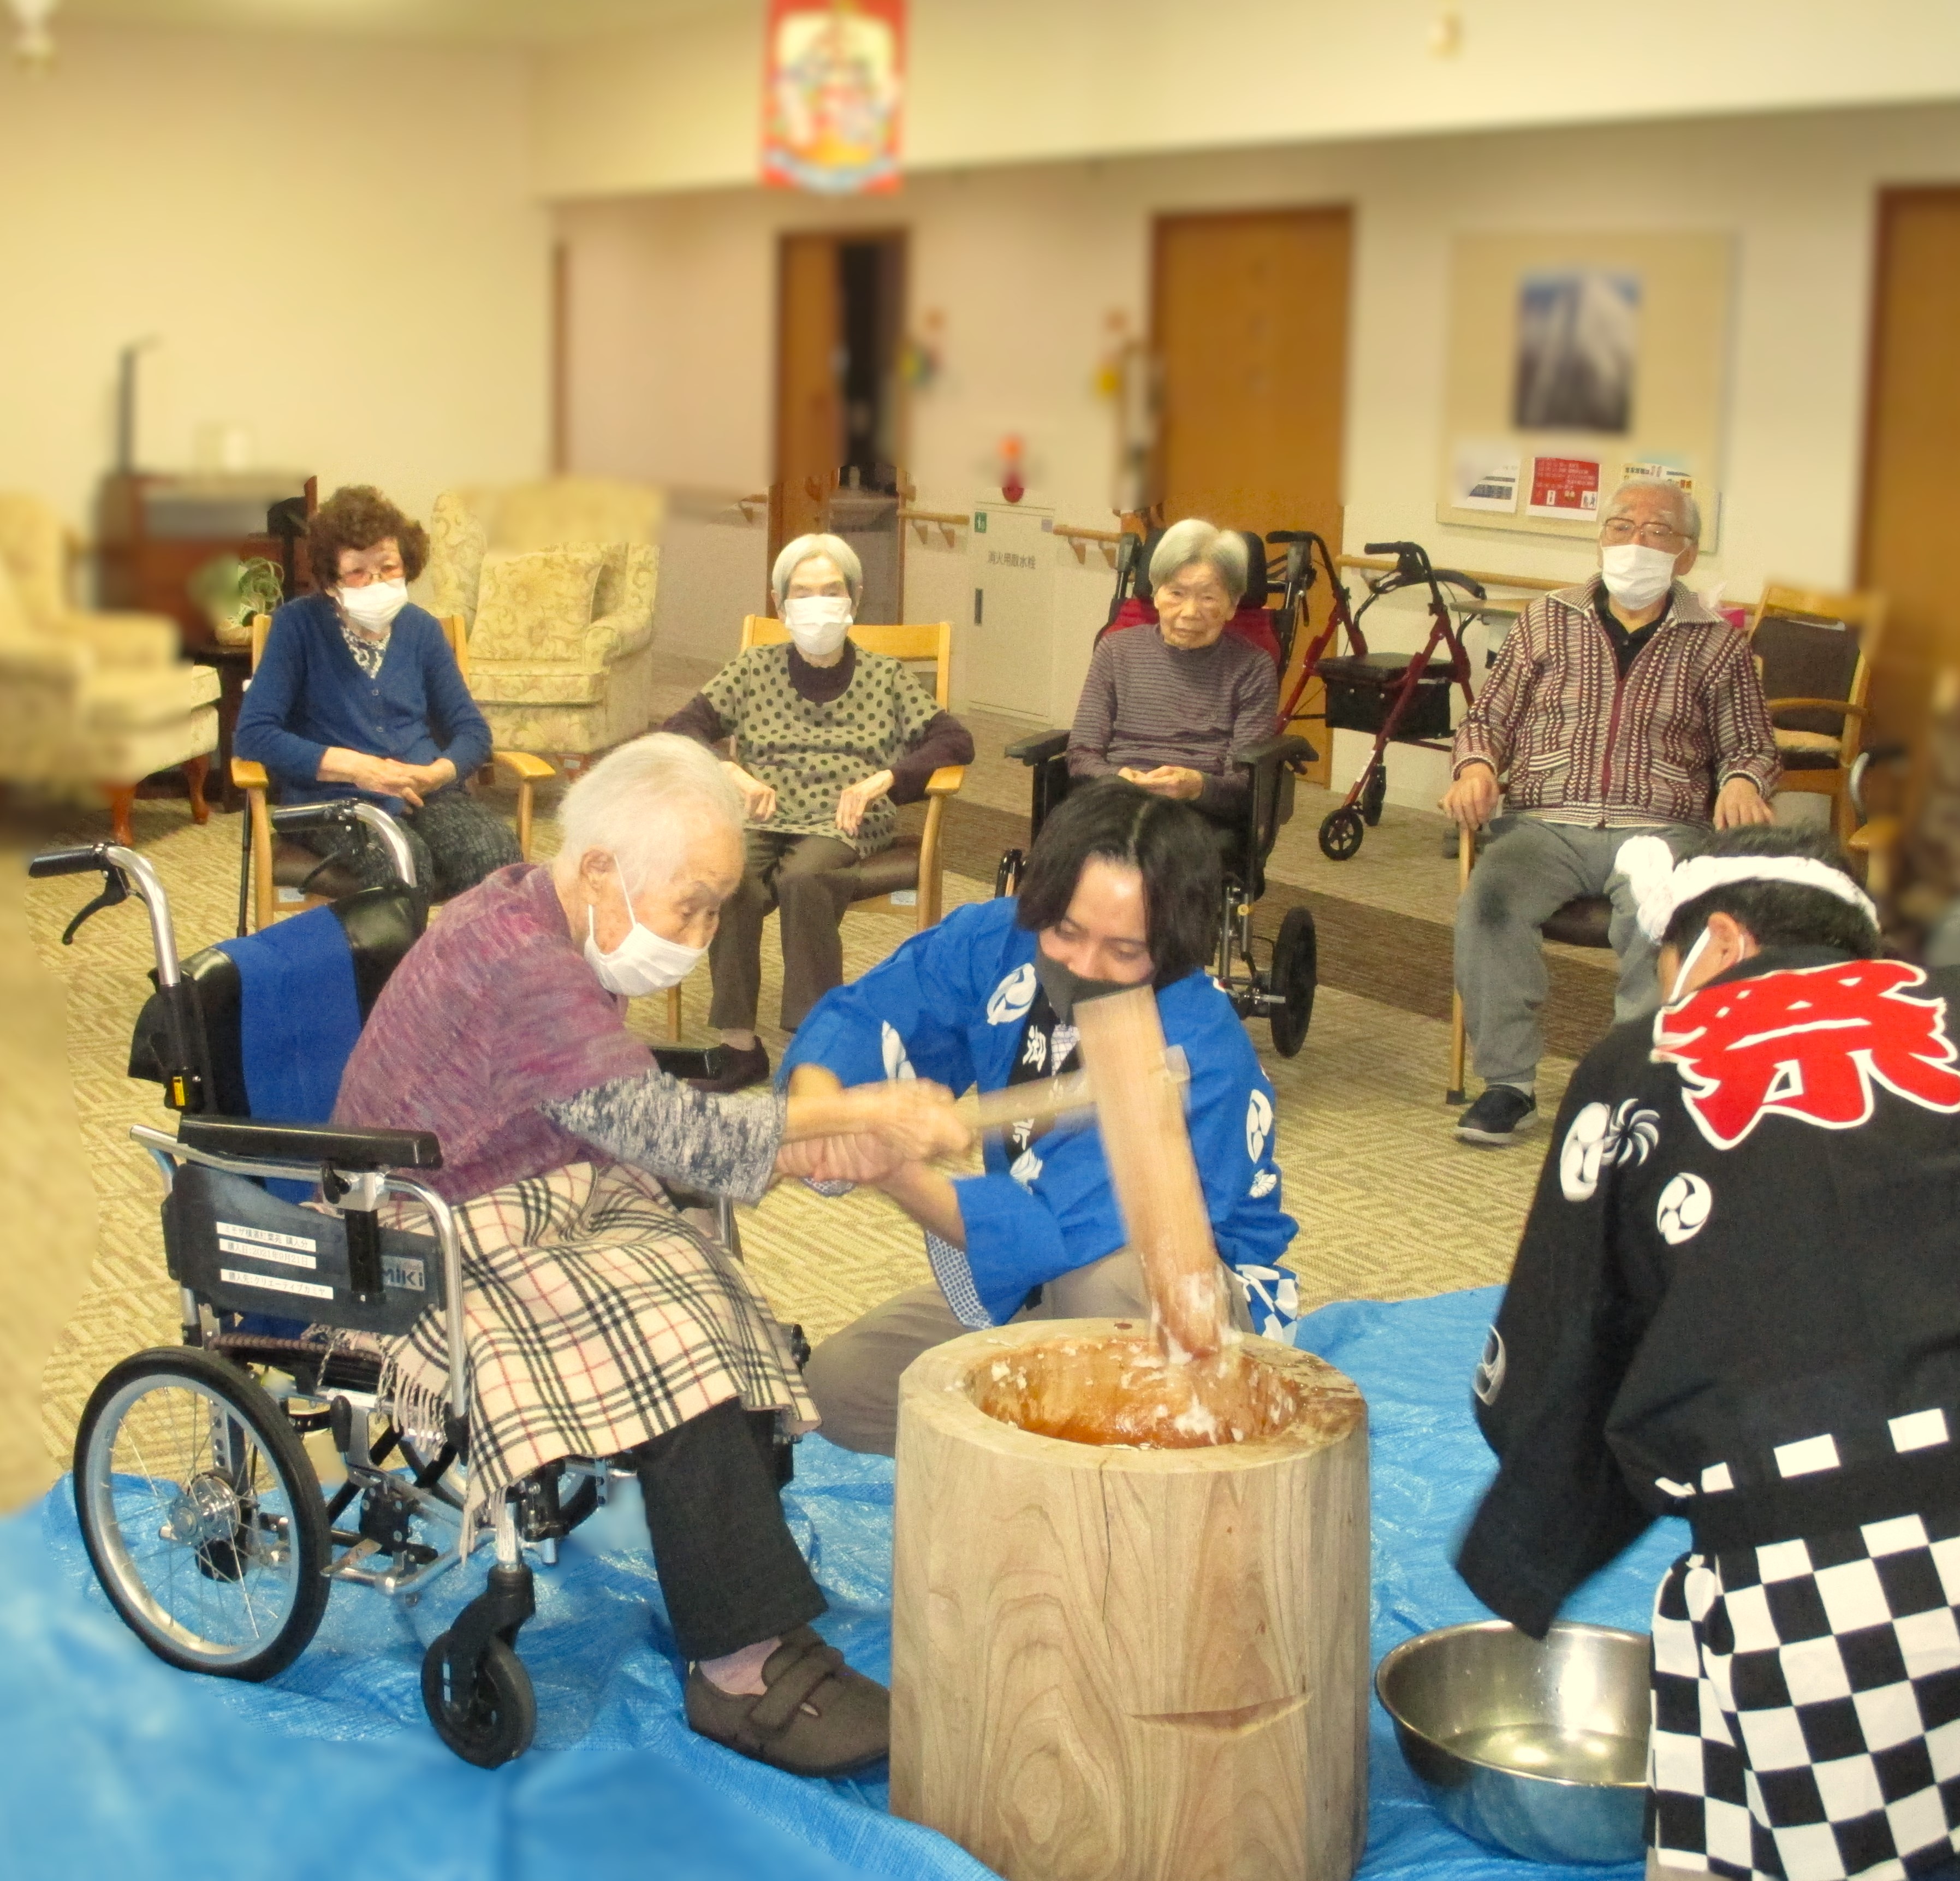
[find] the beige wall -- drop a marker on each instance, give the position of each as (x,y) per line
(673,316)
(676,106)
(337,245)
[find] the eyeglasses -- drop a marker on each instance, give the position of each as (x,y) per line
(360,577)
(1655,535)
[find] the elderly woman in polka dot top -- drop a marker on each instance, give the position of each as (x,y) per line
(828,740)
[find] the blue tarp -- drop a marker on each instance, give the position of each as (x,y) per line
(112,1763)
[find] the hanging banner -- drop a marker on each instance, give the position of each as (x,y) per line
(832,86)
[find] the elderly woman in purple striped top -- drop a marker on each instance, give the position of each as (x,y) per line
(1166,707)
(599,1321)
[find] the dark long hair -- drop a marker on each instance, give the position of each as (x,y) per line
(1167,843)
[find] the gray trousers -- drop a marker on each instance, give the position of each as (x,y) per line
(1528,870)
(811,879)
(854,1375)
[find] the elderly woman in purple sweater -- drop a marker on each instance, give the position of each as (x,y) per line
(1166,707)
(599,1321)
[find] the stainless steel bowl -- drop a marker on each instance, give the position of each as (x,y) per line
(1537,1746)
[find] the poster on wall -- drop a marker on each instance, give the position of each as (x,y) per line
(1566,487)
(833,85)
(1607,349)
(1484,477)
(1578,343)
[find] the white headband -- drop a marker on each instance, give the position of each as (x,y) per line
(1661,885)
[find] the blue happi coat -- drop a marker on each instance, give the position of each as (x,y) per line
(951,1005)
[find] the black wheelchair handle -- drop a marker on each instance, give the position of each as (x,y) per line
(1291,535)
(1456,577)
(95,855)
(1395,549)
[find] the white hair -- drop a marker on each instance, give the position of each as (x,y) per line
(640,804)
(795,554)
(1683,499)
(1194,540)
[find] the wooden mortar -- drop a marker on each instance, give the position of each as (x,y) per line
(1112,1663)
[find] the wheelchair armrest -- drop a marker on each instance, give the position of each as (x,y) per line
(1283,748)
(1038,747)
(345,1149)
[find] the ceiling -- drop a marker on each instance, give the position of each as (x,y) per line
(465,22)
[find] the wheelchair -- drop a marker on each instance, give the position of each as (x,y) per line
(1282,992)
(202,1515)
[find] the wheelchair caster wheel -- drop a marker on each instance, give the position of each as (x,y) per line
(492,1722)
(1340,833)
(1374,794)
(1295,975)
(1008,876)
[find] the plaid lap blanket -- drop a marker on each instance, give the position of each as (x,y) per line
(596,1319)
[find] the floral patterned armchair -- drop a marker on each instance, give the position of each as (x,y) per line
(87,698)
(556,581)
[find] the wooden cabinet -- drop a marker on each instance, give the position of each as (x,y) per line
(154,531)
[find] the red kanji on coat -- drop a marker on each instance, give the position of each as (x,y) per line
(1808,1044)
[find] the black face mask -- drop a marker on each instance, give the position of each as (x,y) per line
(1067,989)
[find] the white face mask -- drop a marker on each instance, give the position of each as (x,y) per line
(374,607)
(1634,574)
(817,623)
(643,962)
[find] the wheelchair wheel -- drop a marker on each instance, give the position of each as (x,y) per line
(1374,794)
(494,1720)
(1340,833)
(1295,975)
(201,1516)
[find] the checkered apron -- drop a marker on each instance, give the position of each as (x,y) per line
(596,1319)
(1806,1705)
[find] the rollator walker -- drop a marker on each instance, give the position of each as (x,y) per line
(202,1514)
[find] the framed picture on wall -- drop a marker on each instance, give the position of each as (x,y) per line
(1575,360)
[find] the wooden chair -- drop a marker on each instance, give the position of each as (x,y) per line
(910,876)
(1582,922)
(1814,651)
(1932,771)
(268,871)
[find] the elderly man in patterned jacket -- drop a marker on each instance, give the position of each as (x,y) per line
(1619,706)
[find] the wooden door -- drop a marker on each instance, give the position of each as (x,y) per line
(1250,322)
(1912,467)
(809,406)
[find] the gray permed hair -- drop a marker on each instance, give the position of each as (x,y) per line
(1195,540)
(1683,500)
(797,553)
(640,804)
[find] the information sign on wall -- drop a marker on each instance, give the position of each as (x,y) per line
(833,85)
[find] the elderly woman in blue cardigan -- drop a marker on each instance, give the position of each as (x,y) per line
(357,694)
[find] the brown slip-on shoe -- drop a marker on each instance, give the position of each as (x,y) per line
(735,1071)
(818,1718)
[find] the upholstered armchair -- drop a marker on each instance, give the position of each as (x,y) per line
(90,699)
(556,581)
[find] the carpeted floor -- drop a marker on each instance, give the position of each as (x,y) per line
(1389,1205)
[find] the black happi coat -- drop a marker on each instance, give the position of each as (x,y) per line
(1737,1298)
